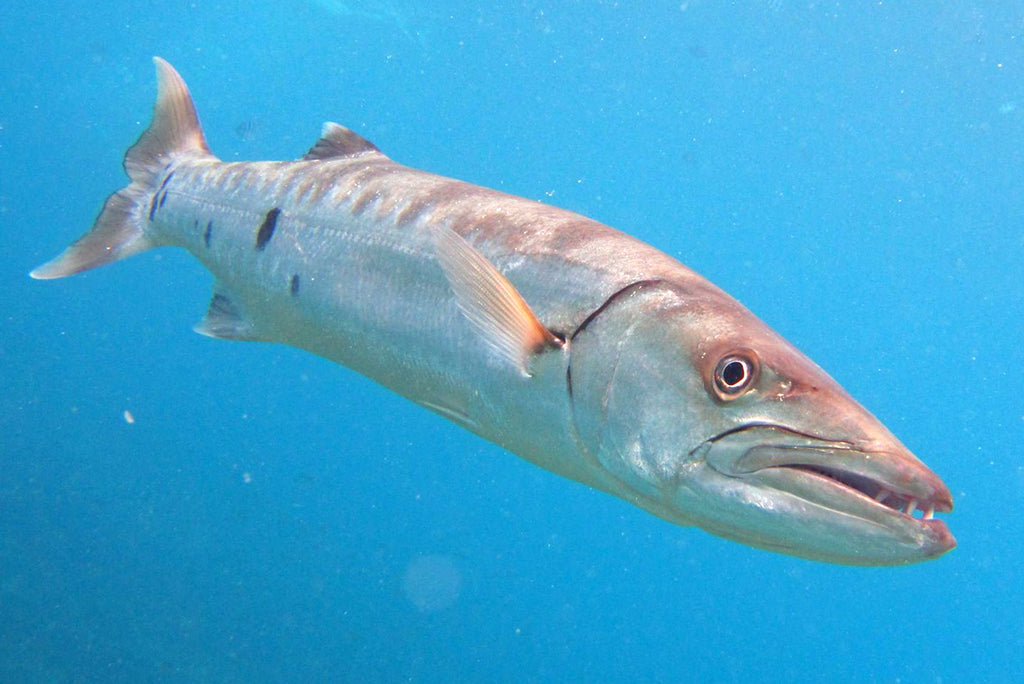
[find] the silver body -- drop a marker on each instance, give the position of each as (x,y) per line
(358,232)
(575,346)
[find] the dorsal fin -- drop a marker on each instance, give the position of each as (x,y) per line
(491,303)
(338,141)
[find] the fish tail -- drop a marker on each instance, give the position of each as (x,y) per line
(120,229)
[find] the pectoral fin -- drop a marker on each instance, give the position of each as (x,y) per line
(491,303)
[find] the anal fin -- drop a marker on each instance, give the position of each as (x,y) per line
(491,303)
(225,320)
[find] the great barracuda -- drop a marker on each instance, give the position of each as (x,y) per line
(575,346)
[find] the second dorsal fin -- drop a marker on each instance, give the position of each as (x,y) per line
(337,141)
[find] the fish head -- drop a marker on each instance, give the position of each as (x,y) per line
(700,413)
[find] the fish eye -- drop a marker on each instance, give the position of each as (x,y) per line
(734,374)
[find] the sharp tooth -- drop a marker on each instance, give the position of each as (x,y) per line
(911,507)
(929,513)
(881,496)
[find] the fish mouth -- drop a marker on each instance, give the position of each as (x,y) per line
(878,500)
(901,502)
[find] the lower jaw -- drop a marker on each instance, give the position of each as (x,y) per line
(911,539)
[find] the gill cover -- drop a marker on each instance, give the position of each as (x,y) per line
(622,383)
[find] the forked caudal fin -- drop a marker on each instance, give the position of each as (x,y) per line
(119,231)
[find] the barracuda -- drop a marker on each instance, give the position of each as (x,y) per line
(575,346)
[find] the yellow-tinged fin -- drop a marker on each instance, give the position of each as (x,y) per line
(491,303)
(120,229)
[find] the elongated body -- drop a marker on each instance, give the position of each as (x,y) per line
(573,345)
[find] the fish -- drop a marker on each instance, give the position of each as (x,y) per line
(577,347)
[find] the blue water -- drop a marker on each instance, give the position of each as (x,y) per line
(850,171)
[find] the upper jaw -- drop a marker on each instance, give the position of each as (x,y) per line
(881,484)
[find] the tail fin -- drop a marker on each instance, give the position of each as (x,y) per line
(119,231)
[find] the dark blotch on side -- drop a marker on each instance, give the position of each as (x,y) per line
(293,286)
(266,230)
(167,179)
(208,233)
(160,196)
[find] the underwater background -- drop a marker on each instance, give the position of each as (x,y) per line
(176,508)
